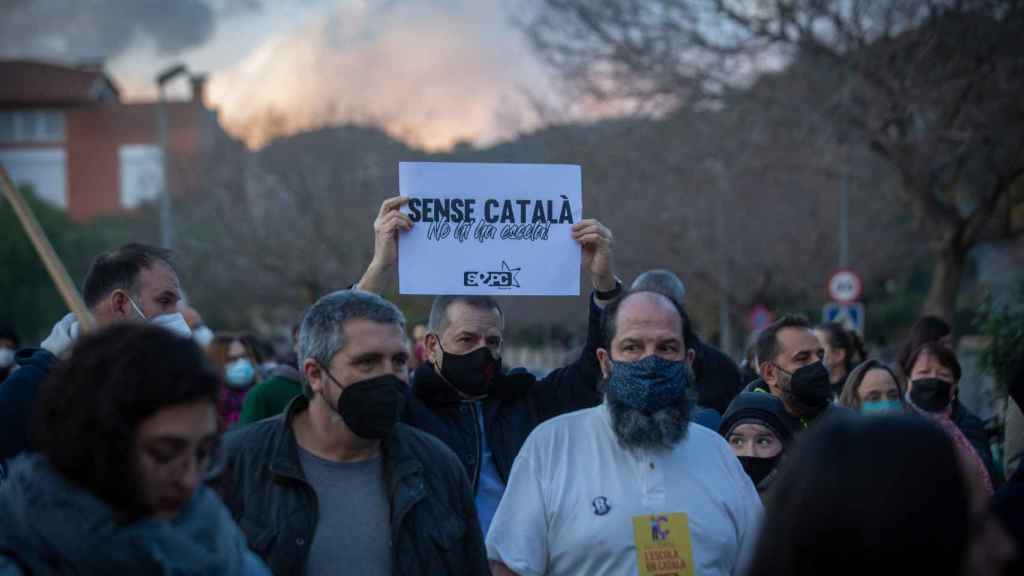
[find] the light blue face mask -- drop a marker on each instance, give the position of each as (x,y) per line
(239,373)
(880,407)
(648,384)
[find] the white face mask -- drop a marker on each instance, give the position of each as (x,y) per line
(6,358)
(203,336)
(174,322)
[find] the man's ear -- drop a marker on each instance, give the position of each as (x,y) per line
(432,342)
(314,374)
(690,355)
(605,360)
(119,306)
(767,371)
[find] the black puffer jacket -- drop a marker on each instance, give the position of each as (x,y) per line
(517,403)
(434,527)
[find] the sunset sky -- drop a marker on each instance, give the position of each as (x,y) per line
(433,72)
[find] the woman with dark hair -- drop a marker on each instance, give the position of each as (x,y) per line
(934,376)
(755,426)
(125,428)
(934,330)
(873,388)
(851,500)
(235,357)
(926,329)
(843,350)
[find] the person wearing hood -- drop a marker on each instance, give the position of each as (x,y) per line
(791,368)
(126,427)
(756,429)
(462,394)
(933,377)
(135,282)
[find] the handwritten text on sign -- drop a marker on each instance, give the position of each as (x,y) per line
(490,229)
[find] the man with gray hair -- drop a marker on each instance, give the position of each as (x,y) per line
(462,394)
(336,483)
(718,375)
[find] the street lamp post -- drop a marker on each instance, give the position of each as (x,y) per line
(166,222)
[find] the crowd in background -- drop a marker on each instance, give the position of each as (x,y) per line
(156,445)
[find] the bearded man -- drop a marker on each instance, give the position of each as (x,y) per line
(629,487)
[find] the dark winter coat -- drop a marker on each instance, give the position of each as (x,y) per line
(18,395)
(434,527)
(718,377)
(517,403)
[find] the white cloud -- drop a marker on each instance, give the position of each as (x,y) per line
(432,72)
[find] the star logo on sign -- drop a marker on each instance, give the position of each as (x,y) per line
(512,272)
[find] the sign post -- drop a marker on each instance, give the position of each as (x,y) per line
(845,288)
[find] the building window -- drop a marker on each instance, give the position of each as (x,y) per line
(141,174)
(53,125)
(6,126)
(32,126)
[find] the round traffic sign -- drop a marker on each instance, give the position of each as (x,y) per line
(759,318)
(845,286)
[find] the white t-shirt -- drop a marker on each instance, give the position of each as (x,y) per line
(574,492)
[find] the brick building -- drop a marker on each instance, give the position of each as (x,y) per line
(65,131)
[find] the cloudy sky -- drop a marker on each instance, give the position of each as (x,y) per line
(432,71)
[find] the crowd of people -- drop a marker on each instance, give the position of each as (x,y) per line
(153,445)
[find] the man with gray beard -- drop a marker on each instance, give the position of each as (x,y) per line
(629,487)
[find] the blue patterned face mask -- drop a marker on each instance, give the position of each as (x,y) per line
(648,384)
(881,407)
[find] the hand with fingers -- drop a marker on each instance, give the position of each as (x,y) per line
(596,242)
(386,227)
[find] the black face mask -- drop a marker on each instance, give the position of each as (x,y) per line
(759,468)
(930,394)
(809,388)
(371,407)
(473,373)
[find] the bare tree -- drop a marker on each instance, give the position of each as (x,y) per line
(276,229)
(932,86)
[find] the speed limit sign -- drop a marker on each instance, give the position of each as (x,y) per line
(845,286)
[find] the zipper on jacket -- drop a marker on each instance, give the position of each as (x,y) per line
(477,425)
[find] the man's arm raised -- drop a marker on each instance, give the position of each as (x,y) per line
(596,244)
(389,222)
(575,386)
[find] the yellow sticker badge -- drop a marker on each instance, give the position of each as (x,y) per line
(663,545)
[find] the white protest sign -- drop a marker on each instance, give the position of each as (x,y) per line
(502,229)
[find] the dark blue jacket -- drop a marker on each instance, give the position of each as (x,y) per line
(517,403)
(18,395)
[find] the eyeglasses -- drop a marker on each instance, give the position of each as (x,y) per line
(171,457)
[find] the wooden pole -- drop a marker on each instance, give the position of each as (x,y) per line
(44,249)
